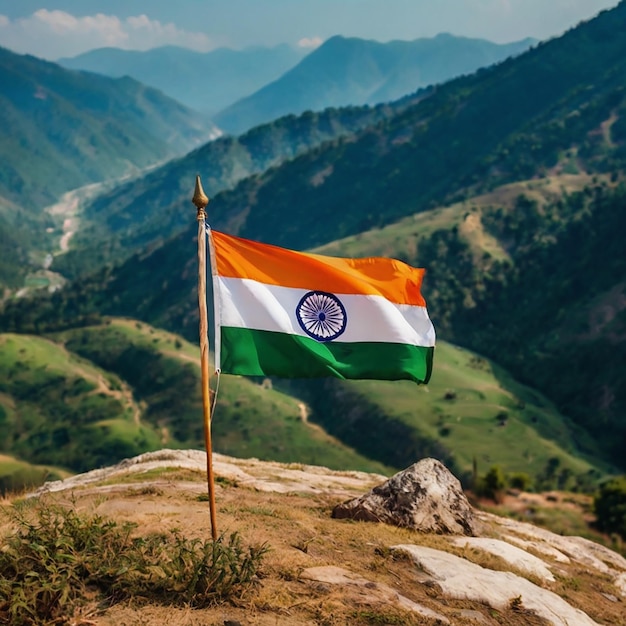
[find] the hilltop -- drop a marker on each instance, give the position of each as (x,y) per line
(320,570)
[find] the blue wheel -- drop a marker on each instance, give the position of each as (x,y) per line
(321,315)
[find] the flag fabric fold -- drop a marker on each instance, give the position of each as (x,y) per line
(298,315)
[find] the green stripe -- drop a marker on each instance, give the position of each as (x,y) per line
(263,353)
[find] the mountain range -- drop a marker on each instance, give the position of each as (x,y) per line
(77,127)
(507,185)
(350,71)
(204,81)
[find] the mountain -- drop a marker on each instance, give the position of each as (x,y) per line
(350,71)
(146,211)
(509,185)
(61,129)
(204,81)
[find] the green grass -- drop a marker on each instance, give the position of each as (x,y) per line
(464,399)
(470,412)
(88,397)
(54,407)
(16,475)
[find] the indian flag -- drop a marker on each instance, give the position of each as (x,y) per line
(296,315)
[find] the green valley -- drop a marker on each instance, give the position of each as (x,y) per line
(507,185)
(91,396)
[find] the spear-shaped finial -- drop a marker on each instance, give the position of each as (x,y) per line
(200,199)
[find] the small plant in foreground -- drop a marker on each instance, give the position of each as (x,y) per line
(60,560)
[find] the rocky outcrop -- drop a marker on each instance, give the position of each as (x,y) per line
(425,497)
(516,573)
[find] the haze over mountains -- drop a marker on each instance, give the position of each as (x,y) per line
(206,82)
(507,185)
(245,88)
(347,71)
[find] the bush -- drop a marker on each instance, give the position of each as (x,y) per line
(492,484)
(610,506)
(52,564)
(520,480)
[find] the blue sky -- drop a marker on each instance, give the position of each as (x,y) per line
(56,28)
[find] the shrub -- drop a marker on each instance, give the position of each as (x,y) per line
(493,484)
(50,566)
(610,506)
(520,480)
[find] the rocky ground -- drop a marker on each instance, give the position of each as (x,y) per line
(325,571)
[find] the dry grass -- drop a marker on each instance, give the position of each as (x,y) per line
(301,534)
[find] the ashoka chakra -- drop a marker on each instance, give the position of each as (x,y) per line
(321,315)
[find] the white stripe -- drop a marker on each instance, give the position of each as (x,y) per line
(217,316)
(246,303)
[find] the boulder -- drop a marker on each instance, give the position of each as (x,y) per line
(426,497)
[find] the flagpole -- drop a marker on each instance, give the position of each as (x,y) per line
(201,201)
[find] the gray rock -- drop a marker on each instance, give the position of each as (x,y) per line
(460,579)
(363,591)
(424,497)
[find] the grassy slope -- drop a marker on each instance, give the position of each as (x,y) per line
(478,412)
(16,475)
(59,409)
(139,390)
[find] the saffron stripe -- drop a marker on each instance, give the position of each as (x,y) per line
(250,304)
(261,353)
(241,258)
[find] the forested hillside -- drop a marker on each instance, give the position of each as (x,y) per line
(60,129)
(148,211)
(507,186)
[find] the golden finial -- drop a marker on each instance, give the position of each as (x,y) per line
(200,199)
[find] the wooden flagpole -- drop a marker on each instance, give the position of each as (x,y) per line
(201,201)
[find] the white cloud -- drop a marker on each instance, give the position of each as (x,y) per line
(55,34)
(310,42)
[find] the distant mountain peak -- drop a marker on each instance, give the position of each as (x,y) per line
(347,71)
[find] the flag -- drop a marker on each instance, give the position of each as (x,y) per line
(297,315)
